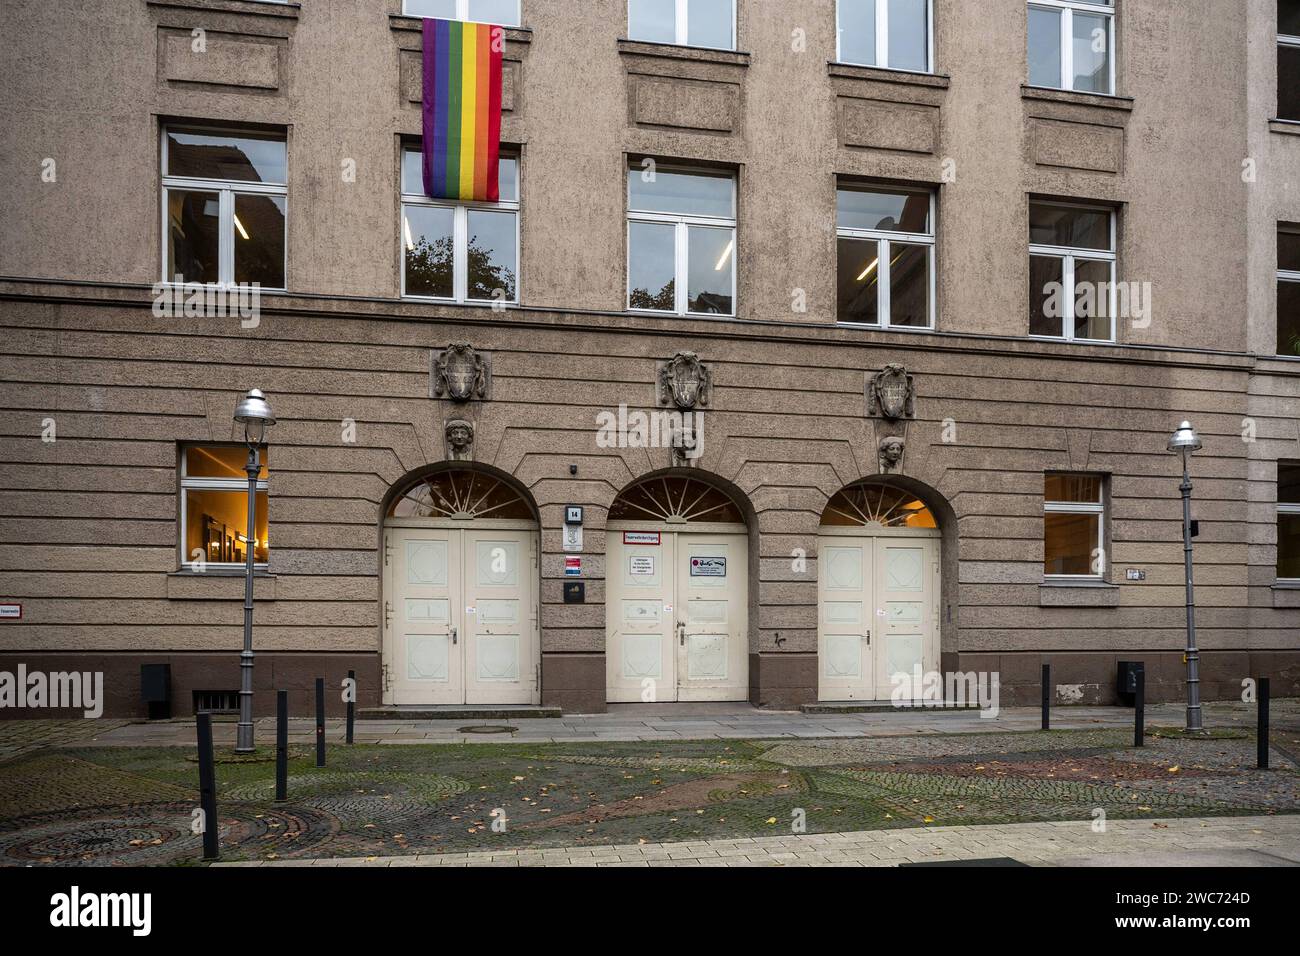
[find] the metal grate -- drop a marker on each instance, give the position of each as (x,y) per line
(217,701)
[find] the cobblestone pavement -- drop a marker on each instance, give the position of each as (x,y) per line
(1243,841)
(77,805)
(19,737)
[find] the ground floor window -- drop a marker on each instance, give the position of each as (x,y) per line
(1074,512)
(1288,520)
(214,507)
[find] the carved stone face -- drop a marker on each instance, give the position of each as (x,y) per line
(891,451)
(460,435)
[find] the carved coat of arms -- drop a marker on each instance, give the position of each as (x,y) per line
(460,373)
(685,381)
(891,393)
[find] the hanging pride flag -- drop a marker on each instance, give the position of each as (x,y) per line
(462,109)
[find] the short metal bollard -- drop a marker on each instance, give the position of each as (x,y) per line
(1140,706)
(352,705)
(208,788)
(1261,726)
(281,746)
(1047,696)
(320,721)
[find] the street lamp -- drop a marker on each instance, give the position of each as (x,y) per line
(254,414)
(1185,441)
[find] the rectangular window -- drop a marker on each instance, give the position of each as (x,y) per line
(214,506)
(224,199)
(460,251)
(681,241)
(1074,526)
(1288,60)
(1288,290)
(702,23)
(501,13)
(885,251)
(1071,247)
(893,34)
(1288,521)
(1072,45)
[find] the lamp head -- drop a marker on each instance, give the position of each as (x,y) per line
(1185,439)
(254,413)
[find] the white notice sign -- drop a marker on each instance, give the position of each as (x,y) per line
(641,564)
(573,537)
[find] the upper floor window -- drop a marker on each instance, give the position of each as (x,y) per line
(460,251)
(895,34)
(214,506)
(1288,60)
(501,13)
(885,253)
(1074,526)
(681,241)
(706,23)
(224,203)
(1288,520)
(1071,272)
(1072,45)
(1288,290)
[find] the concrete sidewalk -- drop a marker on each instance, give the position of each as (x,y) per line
(1190,841)
(651,722)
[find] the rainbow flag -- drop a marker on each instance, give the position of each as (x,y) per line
(462,109)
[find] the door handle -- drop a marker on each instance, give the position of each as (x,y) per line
(453,635)
(867,637)
(681,633)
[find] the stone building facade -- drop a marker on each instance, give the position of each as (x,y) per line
(805,429)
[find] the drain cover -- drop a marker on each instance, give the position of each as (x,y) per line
(487,729)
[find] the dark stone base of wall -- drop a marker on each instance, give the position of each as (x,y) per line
(574,682)
(782,681)
(1090,678)
(272,671)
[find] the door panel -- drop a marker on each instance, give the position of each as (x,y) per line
(677,618)
(423,655)
(878,603)
(460,617)
(846,616)
(500,666)
(712,636)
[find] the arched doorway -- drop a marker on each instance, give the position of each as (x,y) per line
(460,590)
(878,587)
(676,593)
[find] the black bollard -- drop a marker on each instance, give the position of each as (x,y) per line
(1139,705)
(1261,728)
(281,746)
(1047,696)
(208,787)
(352,705)
(320,721)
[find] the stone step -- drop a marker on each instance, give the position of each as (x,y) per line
(456,712)
(876,707)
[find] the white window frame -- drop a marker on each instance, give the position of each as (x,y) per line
(462,13)
(1066,39)
(226,191)
(1285,275)
(218,484)
(681,22)
(1080,508)
(884,239)
(882,39)
(1070,255)
(460,237)
(681,274)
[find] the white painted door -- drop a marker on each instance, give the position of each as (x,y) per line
(677,616)
(878,608)
(460,617)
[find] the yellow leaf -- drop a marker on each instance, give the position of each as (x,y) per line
(771,820)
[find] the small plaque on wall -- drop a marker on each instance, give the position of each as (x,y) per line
(575,592)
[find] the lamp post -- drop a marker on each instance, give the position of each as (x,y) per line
(1185,441)
(254,414)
